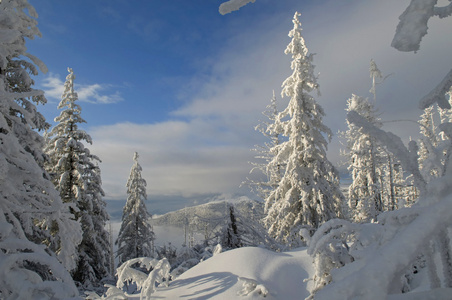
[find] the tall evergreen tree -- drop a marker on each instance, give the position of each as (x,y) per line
(136,236)
(31,211)
(76,176)
(365,163)
(308,193)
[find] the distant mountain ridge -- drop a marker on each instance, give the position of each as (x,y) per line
(159,205)
(210,215)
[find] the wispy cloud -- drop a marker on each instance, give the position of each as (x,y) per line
(53,87)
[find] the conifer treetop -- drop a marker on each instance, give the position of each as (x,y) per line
(71,115)
(136,185)
(69,95)
(297,45)
(303,69)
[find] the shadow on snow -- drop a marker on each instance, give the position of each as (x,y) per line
(215,283)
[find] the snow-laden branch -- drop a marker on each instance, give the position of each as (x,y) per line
(443,12)
(438,94)
(413,25)
(146,283)
(233,5)
(27,271)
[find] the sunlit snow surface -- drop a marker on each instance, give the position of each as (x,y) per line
(282,274)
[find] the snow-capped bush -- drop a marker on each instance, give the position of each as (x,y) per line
(128,273)
(252,287)
(217,250)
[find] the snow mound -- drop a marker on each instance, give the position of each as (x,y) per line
(252,273)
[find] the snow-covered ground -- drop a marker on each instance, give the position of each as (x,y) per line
(257,273)
(281,274)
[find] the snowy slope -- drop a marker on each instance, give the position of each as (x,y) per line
(282,274)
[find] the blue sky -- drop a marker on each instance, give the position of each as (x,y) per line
(144,52)
(185,86)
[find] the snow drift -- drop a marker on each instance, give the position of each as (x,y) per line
(251,272)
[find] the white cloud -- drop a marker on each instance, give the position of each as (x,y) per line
(53,87)
(178,158)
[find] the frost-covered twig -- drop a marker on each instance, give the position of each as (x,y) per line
(329,249)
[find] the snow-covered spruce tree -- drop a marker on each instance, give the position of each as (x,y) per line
(65,149)
(32,215)
(76,175)
(364,157)
(136,236)
(272,173)
(246,223)
(308,193)
(230,235)
(95,250)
